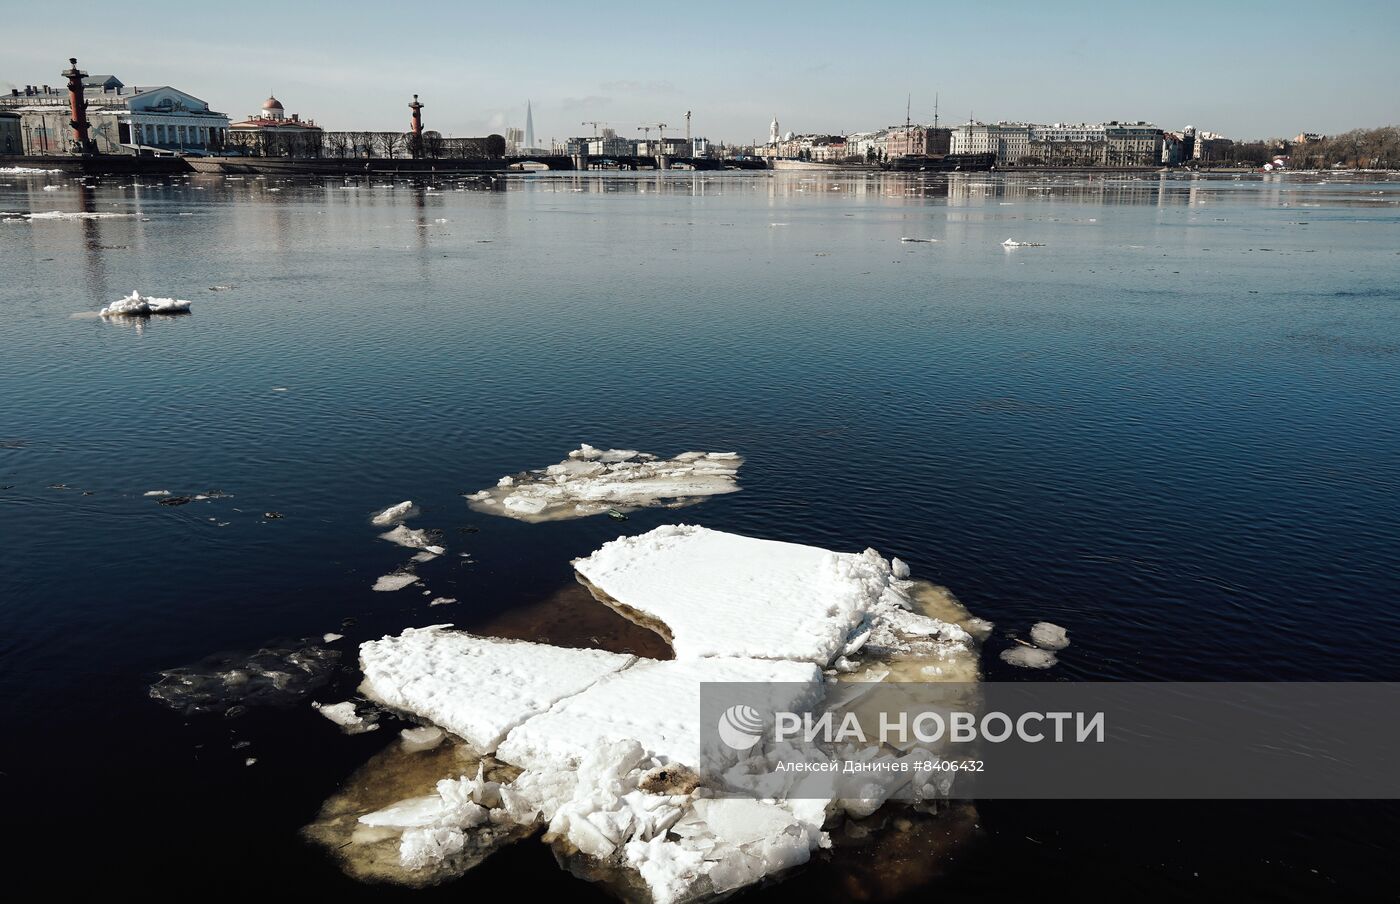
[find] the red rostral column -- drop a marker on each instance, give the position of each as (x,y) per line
(78,104)
(417,126)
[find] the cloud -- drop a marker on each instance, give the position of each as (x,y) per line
(587,102)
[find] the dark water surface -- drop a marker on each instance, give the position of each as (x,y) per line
(1173,429)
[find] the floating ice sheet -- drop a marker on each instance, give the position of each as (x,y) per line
(720,594)
(393,513)
(591,481)
(1049,636)
(479,688)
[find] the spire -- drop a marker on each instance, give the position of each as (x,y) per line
(529,125)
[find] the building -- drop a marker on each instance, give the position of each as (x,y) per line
(1173,148)
(829,149)
(1066,144)
(124,120)
(11,136)
(1133,144)
(917,140)
(1009,141)
(272,133)
(1211,147)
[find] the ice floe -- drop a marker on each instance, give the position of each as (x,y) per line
(1012,243)
(397,581)
(393,513)
(345,715)
(603,750)
(720,594)
(591,481)
(404,535)
(138,305)
(25,171)
(1028,657)
(78,215)
(1049,636)
(478,688)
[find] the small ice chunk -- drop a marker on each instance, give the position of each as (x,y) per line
(404,535)
(344,715)
(138,305)
(423,738)
(1028,657)
(442,601)
(1049,636)
(396,581)
(156,493)
(899,568)
(393,513)
(331,638)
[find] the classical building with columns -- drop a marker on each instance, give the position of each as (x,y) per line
(124,120)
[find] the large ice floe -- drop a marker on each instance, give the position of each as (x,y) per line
(592,481)
(138,305)
(603,750)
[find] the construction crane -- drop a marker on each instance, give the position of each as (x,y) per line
(594,124)
(660,128)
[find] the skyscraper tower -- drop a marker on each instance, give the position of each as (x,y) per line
(529,125)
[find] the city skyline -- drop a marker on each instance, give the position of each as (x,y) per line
(1252,71)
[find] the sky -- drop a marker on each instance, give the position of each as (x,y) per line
(1245,69)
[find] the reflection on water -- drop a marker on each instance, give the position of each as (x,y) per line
(1171,429)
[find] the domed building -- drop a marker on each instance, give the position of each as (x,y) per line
(272,133)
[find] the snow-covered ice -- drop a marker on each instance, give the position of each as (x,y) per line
(478,688)
(138,305)
(25,171)
(720,594)
(591,481)
(641,704)
(1012,243)
(609,746)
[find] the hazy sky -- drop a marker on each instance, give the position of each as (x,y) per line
(1247,69)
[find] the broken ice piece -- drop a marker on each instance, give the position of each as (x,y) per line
(425,737)
(393,513)
(1028,657)
(344,715)
(1049,636)
(593,481)
(404,535)
(396,581)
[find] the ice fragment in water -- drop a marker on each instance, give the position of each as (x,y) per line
(393,513)
(1049,636)
(138,305)
(592,481)
(344,715)
(1028,657)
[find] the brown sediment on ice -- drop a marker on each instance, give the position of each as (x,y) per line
(370,854)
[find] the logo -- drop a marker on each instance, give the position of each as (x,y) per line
(740,726)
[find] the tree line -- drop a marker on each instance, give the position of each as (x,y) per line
(314,143)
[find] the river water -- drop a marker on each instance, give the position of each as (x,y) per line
(1171,424)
